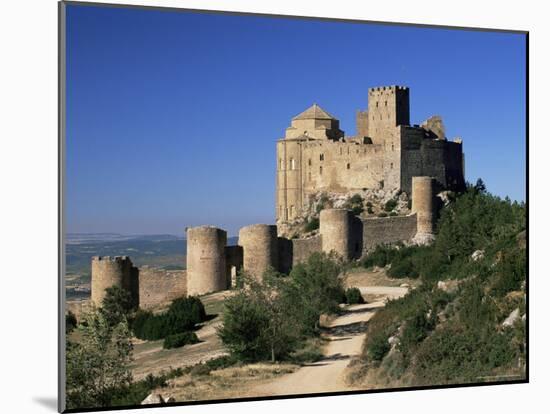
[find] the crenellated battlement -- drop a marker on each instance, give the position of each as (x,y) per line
(110,258)
(387,89)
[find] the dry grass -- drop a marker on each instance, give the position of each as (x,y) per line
(374,277)
(232,382)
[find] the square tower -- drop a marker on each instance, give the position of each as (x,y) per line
(388,107)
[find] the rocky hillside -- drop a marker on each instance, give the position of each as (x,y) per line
(365,203)
(466,321)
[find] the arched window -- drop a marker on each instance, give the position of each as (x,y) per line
(321,157)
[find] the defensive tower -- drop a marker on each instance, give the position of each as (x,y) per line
(423,204)
(335,227)
(108,271)
(206,270)
(388,107)
(260,249)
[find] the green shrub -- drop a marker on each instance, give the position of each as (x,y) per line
(182,315)
(382,214)
(378,347)
(311,225)
(70,322)
(370,210)
(355,204)
(403,267)
(510,272)
(314,288)
(117,305)
(416,329)
(353,296)
(204,368)
(179,340)
(390,205)
(324,202)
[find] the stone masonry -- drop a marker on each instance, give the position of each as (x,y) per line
(315,154)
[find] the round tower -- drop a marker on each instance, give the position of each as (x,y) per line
(335,227)
(260,248)
(205,260)
(108,271)
(423,204)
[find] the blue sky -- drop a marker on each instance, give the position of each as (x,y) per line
(172,117)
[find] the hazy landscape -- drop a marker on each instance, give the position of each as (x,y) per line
(160,250)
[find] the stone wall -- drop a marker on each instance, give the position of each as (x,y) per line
(383,230)
(303,248)
(159,286)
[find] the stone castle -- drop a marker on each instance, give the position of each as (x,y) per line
(314,155)
(387,152)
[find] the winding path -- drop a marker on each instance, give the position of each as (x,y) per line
(345,336)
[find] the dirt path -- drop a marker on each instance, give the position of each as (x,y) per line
(345,337)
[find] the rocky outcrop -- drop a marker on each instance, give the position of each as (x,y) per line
(511,319)
(155,398)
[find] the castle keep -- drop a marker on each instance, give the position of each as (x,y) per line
(315,156)
(387,152)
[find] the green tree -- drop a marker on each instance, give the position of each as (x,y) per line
(116,305)
(314,288)
(258,323)
(98,363)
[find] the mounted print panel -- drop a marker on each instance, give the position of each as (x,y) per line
(260,206)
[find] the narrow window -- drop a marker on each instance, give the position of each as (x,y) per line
(386,103)
(392,147)
(321,157)
(391,165)
(348,166)
(309,162)
(320,170)
(292,164)
(377,104)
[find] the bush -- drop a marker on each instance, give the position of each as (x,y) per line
(390,205)
(179,340)
(182,315)
(117,305)
(204,368)
(382,214)
(311,225)
(378,347)
(393,214)
(353,296)
(70,322)
(355,204)
(268,320)
(370,210)
(314,289)
(380,256)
